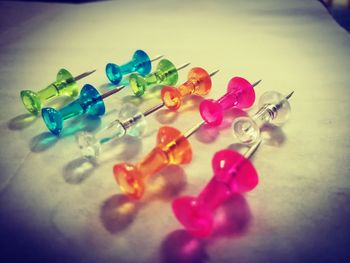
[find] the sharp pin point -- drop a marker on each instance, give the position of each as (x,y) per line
(111,92)
(213,73)
(256,83)
(183,66)
(290,95)
(83,75)
(156,58)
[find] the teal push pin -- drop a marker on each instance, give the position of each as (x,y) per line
(139,63)
(65,84)
(90,102)
(165,74)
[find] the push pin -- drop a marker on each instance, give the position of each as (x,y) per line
(165,74)
(90,102)
(172,148)
(65,84)
(130,122)
(233,173)
(274,108)
(139,63)
(240,94)
(198,83)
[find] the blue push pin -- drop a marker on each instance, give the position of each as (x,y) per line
(139,63)
(90,102)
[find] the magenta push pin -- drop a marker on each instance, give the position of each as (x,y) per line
(233,173)
(240,93)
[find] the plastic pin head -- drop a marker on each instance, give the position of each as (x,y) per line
(165,74)
(139,63)
(172,148)
(90,102)
(65,84)
(232,173)
(274,108)
(198,83)
(240,93)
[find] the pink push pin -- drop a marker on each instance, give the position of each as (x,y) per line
(240,94)
(233,172)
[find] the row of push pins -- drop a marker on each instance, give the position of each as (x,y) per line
(240,94)
(233,172)
(132,122)
(174,148)
(92,102)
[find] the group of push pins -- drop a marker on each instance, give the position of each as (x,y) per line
(233,172)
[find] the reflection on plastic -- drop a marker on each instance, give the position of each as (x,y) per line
(231,221)
(119,211)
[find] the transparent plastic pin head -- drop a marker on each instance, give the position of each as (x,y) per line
(64,84)
(90,102)
(134,120)
(274,108)
(129,121)
(172,148)
(240,94)
(139,63)
(198,83)
(165,74)
(232,173)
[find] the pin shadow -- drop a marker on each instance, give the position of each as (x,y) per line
(209,134)
(272,135)
(21,121)
(119,211)
(231,221)
(79,169)
(166,116)
(46,140)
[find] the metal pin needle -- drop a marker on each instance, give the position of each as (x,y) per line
(111,92)
(193,129)
(156,58)
(83,75)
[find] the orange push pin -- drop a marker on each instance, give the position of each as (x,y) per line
(172,148)
(198,83)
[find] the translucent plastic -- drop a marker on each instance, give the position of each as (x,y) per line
(172,148)
(89,102)
(139,63)
(134,124)
(232,173)
(240,94)
(165,74)
(274,108)
(64,85)
(198,83)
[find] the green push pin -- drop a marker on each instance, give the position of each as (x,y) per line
(65,84)
(165,74)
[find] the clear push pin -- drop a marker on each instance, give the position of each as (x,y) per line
(64,85)
(274,108)
(165,74)
(130,122)
(139,63)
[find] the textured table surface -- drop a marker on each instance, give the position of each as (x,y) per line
(55,206)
